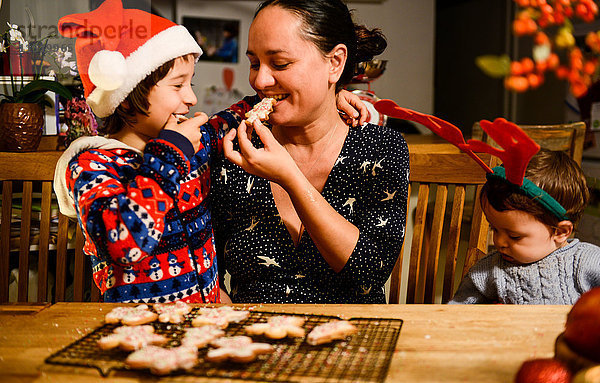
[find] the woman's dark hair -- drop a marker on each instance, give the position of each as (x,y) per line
(136,101)
(327,23)
(555,173)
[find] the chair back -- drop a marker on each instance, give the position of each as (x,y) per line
(568,137)
(37,243)
(446,208)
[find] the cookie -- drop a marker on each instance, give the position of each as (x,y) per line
(173,312)
(261,110)
(220,316)
(200,337)
(161,360)
(238,349)
(324,333)
(131,316)
(131,338)
(278,327)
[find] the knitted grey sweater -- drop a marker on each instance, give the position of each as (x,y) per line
(559,278)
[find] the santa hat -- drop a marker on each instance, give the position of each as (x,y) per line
(117,48)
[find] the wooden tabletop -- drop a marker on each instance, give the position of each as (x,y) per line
(437,343)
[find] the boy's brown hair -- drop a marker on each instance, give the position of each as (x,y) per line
(554,172)
(137,101)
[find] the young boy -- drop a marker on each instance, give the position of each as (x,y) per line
(140,194)
(535,262)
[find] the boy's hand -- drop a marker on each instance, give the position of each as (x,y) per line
(351,105)
(189,127)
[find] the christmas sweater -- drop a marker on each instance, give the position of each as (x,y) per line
(145,215)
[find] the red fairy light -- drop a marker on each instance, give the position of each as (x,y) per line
(518,147)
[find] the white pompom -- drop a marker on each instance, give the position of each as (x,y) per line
(108,70)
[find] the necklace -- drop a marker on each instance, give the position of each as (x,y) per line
(306,174)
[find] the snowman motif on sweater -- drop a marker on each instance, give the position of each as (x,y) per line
(154,272)
(174,266)
(110,278)
(129,274)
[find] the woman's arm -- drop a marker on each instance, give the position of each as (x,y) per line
(335,237)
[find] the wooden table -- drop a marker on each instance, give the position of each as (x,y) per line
(438,343)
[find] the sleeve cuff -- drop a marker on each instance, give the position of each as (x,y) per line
(178,140)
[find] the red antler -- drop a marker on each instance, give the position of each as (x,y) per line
(518,147)
(440,127)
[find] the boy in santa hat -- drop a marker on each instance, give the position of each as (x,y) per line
(140,193)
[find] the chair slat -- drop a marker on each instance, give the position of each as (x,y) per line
(24,241)
(79,267)
(61,257)
(458,207)
(417,243)
(433,252)
(395,281)
(7,194)
(478,235)
(95,293)
(44,242)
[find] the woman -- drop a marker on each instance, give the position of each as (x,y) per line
(310,211)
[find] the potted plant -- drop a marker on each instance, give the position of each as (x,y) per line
(22,111)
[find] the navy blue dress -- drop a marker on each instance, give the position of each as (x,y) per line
(368,186)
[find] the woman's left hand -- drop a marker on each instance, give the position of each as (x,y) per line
(272,161)
(352,106)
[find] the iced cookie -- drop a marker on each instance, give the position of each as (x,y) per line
(131,316)
(200,337)
(131,338)
(278,327)
(261,110)
(161,360)
(220,316)
(336,329)
(173,312)
(239,349)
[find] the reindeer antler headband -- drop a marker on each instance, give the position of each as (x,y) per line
(518,149)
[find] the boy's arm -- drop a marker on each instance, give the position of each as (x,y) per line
(121,201)
(477,286)
(588,270)
(468,293)
(230,118)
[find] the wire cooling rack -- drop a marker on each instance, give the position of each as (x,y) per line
(362,357)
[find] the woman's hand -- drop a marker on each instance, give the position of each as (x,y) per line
(272,162)
(189,127)
(352,106)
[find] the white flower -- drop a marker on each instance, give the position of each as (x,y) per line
(2,47)
(67,54)
(25,45)
(14,34)
(72,68)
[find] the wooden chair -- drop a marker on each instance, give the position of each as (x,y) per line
(458,178)
(27,229)
(564,137)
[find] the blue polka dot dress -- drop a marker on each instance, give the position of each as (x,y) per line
(257,258)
